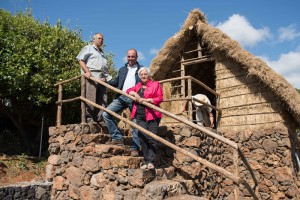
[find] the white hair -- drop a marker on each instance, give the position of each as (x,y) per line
(144,68)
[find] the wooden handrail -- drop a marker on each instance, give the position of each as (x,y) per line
(68,80)
(169,144)
(194,80)
(193,125)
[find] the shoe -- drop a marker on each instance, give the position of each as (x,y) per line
(90,121)
(150,166)
(116,142)
(134,153)
(102,124)
(144,166)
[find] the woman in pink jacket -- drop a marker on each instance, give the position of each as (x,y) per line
(149,91)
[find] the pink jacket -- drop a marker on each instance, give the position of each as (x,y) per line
(153,91)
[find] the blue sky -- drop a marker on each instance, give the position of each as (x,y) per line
(268,29)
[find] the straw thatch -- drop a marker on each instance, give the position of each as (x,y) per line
(240,76)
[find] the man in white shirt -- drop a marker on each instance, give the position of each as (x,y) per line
(127,78)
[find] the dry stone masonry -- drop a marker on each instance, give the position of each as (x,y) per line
(82,166)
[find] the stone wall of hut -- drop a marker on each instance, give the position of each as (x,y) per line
(82,166)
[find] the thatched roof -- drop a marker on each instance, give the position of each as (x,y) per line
(220,44)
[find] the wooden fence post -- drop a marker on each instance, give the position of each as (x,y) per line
(83,109)
(59,106)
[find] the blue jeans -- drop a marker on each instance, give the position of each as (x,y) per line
(118,105)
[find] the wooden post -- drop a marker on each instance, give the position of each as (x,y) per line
(182,74)
(199,50)
(190,107)
(83,109)
(59,106)
(236,172)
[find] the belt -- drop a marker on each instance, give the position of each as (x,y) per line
(95,70)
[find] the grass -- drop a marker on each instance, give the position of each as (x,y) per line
(21,168)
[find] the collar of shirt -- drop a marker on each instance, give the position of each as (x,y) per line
(133,67)
(96,48)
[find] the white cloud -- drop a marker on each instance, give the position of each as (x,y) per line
(288,65)
(154,51)
(239,29)
(288,33)
(141,57)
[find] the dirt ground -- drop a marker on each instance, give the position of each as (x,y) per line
(15,169)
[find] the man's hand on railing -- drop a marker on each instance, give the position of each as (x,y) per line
(103,79)
(87,74)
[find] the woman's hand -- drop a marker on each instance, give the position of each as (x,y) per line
(136,96)
(146,100)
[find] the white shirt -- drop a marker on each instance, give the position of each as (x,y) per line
(130,78)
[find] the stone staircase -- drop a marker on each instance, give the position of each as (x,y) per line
(82,166)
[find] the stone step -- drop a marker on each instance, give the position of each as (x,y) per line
(186,197)
(103,138)
(162,189)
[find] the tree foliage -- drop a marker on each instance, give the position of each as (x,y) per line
(33,57)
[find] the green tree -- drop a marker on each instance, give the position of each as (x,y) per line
(33,57)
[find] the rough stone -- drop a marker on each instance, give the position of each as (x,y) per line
(109,191)
(69,137)
(160,189)
(77,159)
(52,131)
(73,192)
(58,183)
(65,157)
(245,135)
(54,160)
(74,175)
(105,163)
(192,141)
(88,138)
(258,135)
(90,164)
(139,177)
(258,154)
(125,162)
(185,132)
(269,145)
(283,174)
(109,149)
(88,193)
(99,180)
(49,172)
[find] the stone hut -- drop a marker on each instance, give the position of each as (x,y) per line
(260,110)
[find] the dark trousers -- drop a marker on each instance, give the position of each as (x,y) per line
(148,144)
(95,93)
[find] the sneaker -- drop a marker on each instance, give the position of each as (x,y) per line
(116,142)
(144,166)
(150,166)
(134,153)
(102,124)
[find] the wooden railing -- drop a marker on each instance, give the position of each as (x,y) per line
(236,153)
